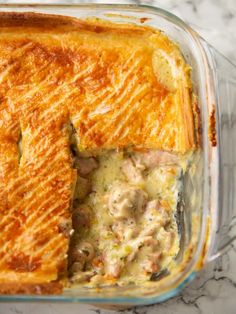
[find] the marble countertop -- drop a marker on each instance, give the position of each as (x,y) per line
(214,289)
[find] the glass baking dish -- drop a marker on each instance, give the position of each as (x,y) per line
(206,214)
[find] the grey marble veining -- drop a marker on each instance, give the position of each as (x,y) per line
(214,289)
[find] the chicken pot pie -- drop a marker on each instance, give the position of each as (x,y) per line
(96,130)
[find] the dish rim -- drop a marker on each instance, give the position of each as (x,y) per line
(189,272)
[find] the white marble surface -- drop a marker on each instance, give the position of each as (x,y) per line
(214,289)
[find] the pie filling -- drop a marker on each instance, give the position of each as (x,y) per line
(123,216)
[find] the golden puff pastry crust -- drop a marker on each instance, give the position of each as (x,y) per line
(118,85)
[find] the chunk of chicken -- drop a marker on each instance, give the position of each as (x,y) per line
(155,214)
(153,205)
(113,265)
(166,237)
(141,241)
(133,171)
(152,159)
(124,200)
(152,263)
(125,229)
(86,165)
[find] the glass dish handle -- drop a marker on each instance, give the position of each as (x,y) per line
(224,83)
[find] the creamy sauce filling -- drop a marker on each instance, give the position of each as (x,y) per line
(124,217)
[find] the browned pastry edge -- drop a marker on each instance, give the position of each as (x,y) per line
(212,127)
(197,122)
(51,288)
(29,19)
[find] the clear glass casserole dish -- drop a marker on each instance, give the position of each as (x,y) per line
(205,214)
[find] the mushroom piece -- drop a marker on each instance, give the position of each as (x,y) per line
(75,268)
(64,227)
(82,189)
(82,276)
(77,255)
(86,165)
(82,252)
(81,217)
(87,249)
(124,200)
